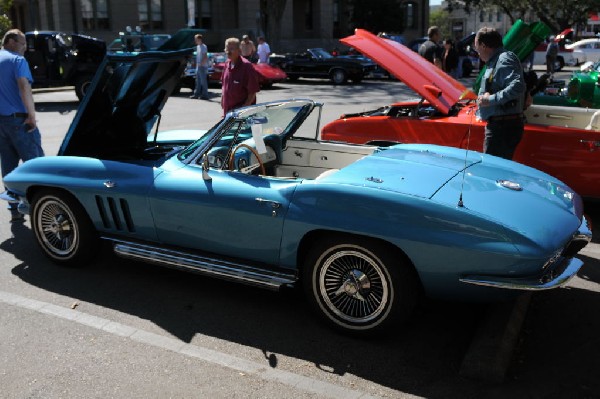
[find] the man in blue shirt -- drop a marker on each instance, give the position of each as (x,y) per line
(19,136)
(501,95)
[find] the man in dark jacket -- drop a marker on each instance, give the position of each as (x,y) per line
(501,95)
(430,49)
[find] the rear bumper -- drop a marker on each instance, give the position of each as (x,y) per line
(556,273)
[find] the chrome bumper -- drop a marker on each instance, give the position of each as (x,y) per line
(557,275)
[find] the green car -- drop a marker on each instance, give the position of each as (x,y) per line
(583,90)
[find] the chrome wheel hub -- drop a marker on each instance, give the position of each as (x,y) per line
(353,286)
(56,228)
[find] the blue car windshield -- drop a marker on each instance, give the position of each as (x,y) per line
(279,119)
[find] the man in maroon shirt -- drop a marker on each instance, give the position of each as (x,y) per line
(240,80)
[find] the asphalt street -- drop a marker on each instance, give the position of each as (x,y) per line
(122,329)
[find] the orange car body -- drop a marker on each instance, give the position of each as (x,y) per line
(561,141)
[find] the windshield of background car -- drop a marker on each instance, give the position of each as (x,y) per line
(274,120)
(320,53)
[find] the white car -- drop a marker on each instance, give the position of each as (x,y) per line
(586,50)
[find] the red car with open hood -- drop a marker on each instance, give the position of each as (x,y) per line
(561,141)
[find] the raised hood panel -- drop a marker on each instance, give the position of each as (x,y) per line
(123,103)
(433,84)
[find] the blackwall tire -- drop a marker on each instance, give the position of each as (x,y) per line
(338,76)
(62,228)
(359,286)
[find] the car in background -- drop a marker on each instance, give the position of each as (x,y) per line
(135,41)
(267,74)
(581,90)
(586,50)
(555,139)
(63,59)
(321,64)
(261,200)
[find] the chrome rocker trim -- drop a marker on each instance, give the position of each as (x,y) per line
(219,268)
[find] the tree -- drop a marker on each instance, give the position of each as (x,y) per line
(441,18)
(557,14)
(5,22)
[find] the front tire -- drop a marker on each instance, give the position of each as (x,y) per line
(358,285)
(62,228)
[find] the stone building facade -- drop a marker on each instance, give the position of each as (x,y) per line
(305,23)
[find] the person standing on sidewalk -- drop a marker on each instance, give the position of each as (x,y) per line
(20,138)
(201,90)
(248,49)
(263,51)
(240,80)
(430,49)
(501,95)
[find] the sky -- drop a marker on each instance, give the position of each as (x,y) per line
(435,2)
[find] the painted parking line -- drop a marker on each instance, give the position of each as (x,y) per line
(262,371)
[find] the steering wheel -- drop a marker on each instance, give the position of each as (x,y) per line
(260,162)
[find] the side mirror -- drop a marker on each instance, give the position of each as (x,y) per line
(205,168)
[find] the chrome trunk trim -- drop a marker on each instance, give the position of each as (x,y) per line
(219,268)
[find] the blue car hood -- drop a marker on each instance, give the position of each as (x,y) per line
(124,102)
(513,195)
(417,170)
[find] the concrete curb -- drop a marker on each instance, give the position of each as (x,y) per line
(493,345)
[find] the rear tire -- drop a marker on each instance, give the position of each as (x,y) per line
(62,228)
(358,285)
(338,76)
(82,84)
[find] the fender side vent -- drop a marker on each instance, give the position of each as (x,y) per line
(115,213)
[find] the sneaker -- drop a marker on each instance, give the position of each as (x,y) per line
(194,97)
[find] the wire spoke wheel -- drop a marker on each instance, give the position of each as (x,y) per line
(353,286)
(63,228)
(58,227)
(359,285)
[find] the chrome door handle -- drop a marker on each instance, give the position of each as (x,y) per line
(274,204)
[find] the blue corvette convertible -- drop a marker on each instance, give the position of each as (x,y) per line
(260,200)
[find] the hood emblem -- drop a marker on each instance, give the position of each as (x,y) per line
(374,179)
(510,185)
(109,184)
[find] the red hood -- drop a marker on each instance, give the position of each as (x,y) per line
(433,84)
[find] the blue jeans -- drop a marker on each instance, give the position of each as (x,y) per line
(201,82)
(16,143)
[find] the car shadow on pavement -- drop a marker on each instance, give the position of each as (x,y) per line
(62,107)
(422,358)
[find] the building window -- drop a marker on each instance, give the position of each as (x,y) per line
(150,14)
(481,16)
(308,15)
(499,16)
(205,14)
(94,14)
(410,15)
(490,17)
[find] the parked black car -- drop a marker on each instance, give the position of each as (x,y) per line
(319,63)
(61,59)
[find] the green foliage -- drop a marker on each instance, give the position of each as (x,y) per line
(557,14)
(5,22)
(441,18)
(377,15)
